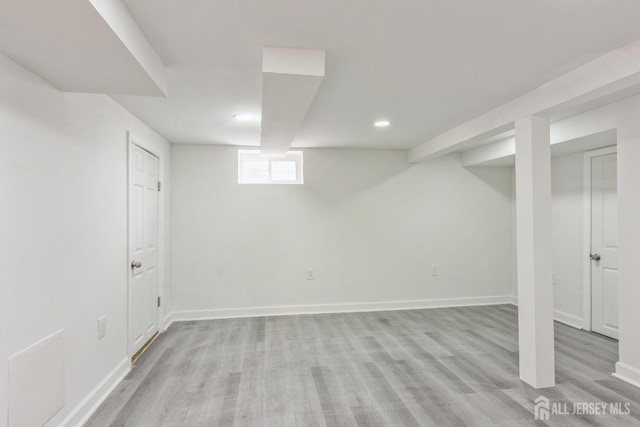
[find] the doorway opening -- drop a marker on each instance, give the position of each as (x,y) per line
(600,304)
(143,298)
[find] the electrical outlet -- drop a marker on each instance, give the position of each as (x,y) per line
(102,327)
(435,270)
(310,274)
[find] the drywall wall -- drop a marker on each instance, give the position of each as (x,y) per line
(370,225)
(514,241)
(567,217)
(628,367)
(63,227)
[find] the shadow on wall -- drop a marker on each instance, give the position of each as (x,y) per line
(487,174)
(352,171)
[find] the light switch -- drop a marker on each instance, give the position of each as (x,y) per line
(435,270)
(102,327)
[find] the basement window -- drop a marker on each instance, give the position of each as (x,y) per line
(255,169)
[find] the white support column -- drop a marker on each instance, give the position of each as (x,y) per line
(628,368)
(534,244)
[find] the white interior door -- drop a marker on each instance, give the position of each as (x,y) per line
(143,247)
(604,245)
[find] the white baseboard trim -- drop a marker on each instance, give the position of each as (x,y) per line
(568,319)
(230,313)
(627,373)
(167,321)
(81,413)
(559,316)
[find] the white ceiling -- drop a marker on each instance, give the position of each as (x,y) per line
(426,65)
(81,46)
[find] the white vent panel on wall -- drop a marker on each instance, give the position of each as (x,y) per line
(36,382)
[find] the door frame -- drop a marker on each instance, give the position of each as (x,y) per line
(133,140)
(586,232)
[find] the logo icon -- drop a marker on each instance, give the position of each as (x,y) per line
(541,408)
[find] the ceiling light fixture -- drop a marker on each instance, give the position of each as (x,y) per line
(244,117)
(382,123)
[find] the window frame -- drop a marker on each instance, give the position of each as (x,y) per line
(245,155)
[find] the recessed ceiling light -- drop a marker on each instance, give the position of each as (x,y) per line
(382,123)
(244,117)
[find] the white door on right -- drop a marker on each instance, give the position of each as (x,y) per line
(143,247)
(604,245)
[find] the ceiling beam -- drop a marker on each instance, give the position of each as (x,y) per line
(612,73)
(503,153)
(291,78)
(117,16)
(484,154)
(92,46)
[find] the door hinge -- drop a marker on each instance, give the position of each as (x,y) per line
(158,301)
(159,185)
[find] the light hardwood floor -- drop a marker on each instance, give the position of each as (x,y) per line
(450,366)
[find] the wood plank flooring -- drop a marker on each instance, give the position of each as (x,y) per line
(437,367)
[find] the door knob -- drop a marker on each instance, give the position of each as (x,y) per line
(136,264)
(595,257)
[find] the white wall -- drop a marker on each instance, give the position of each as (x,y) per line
(629,211)
(63,225)
(567,216)
(514,240)
(369,223)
